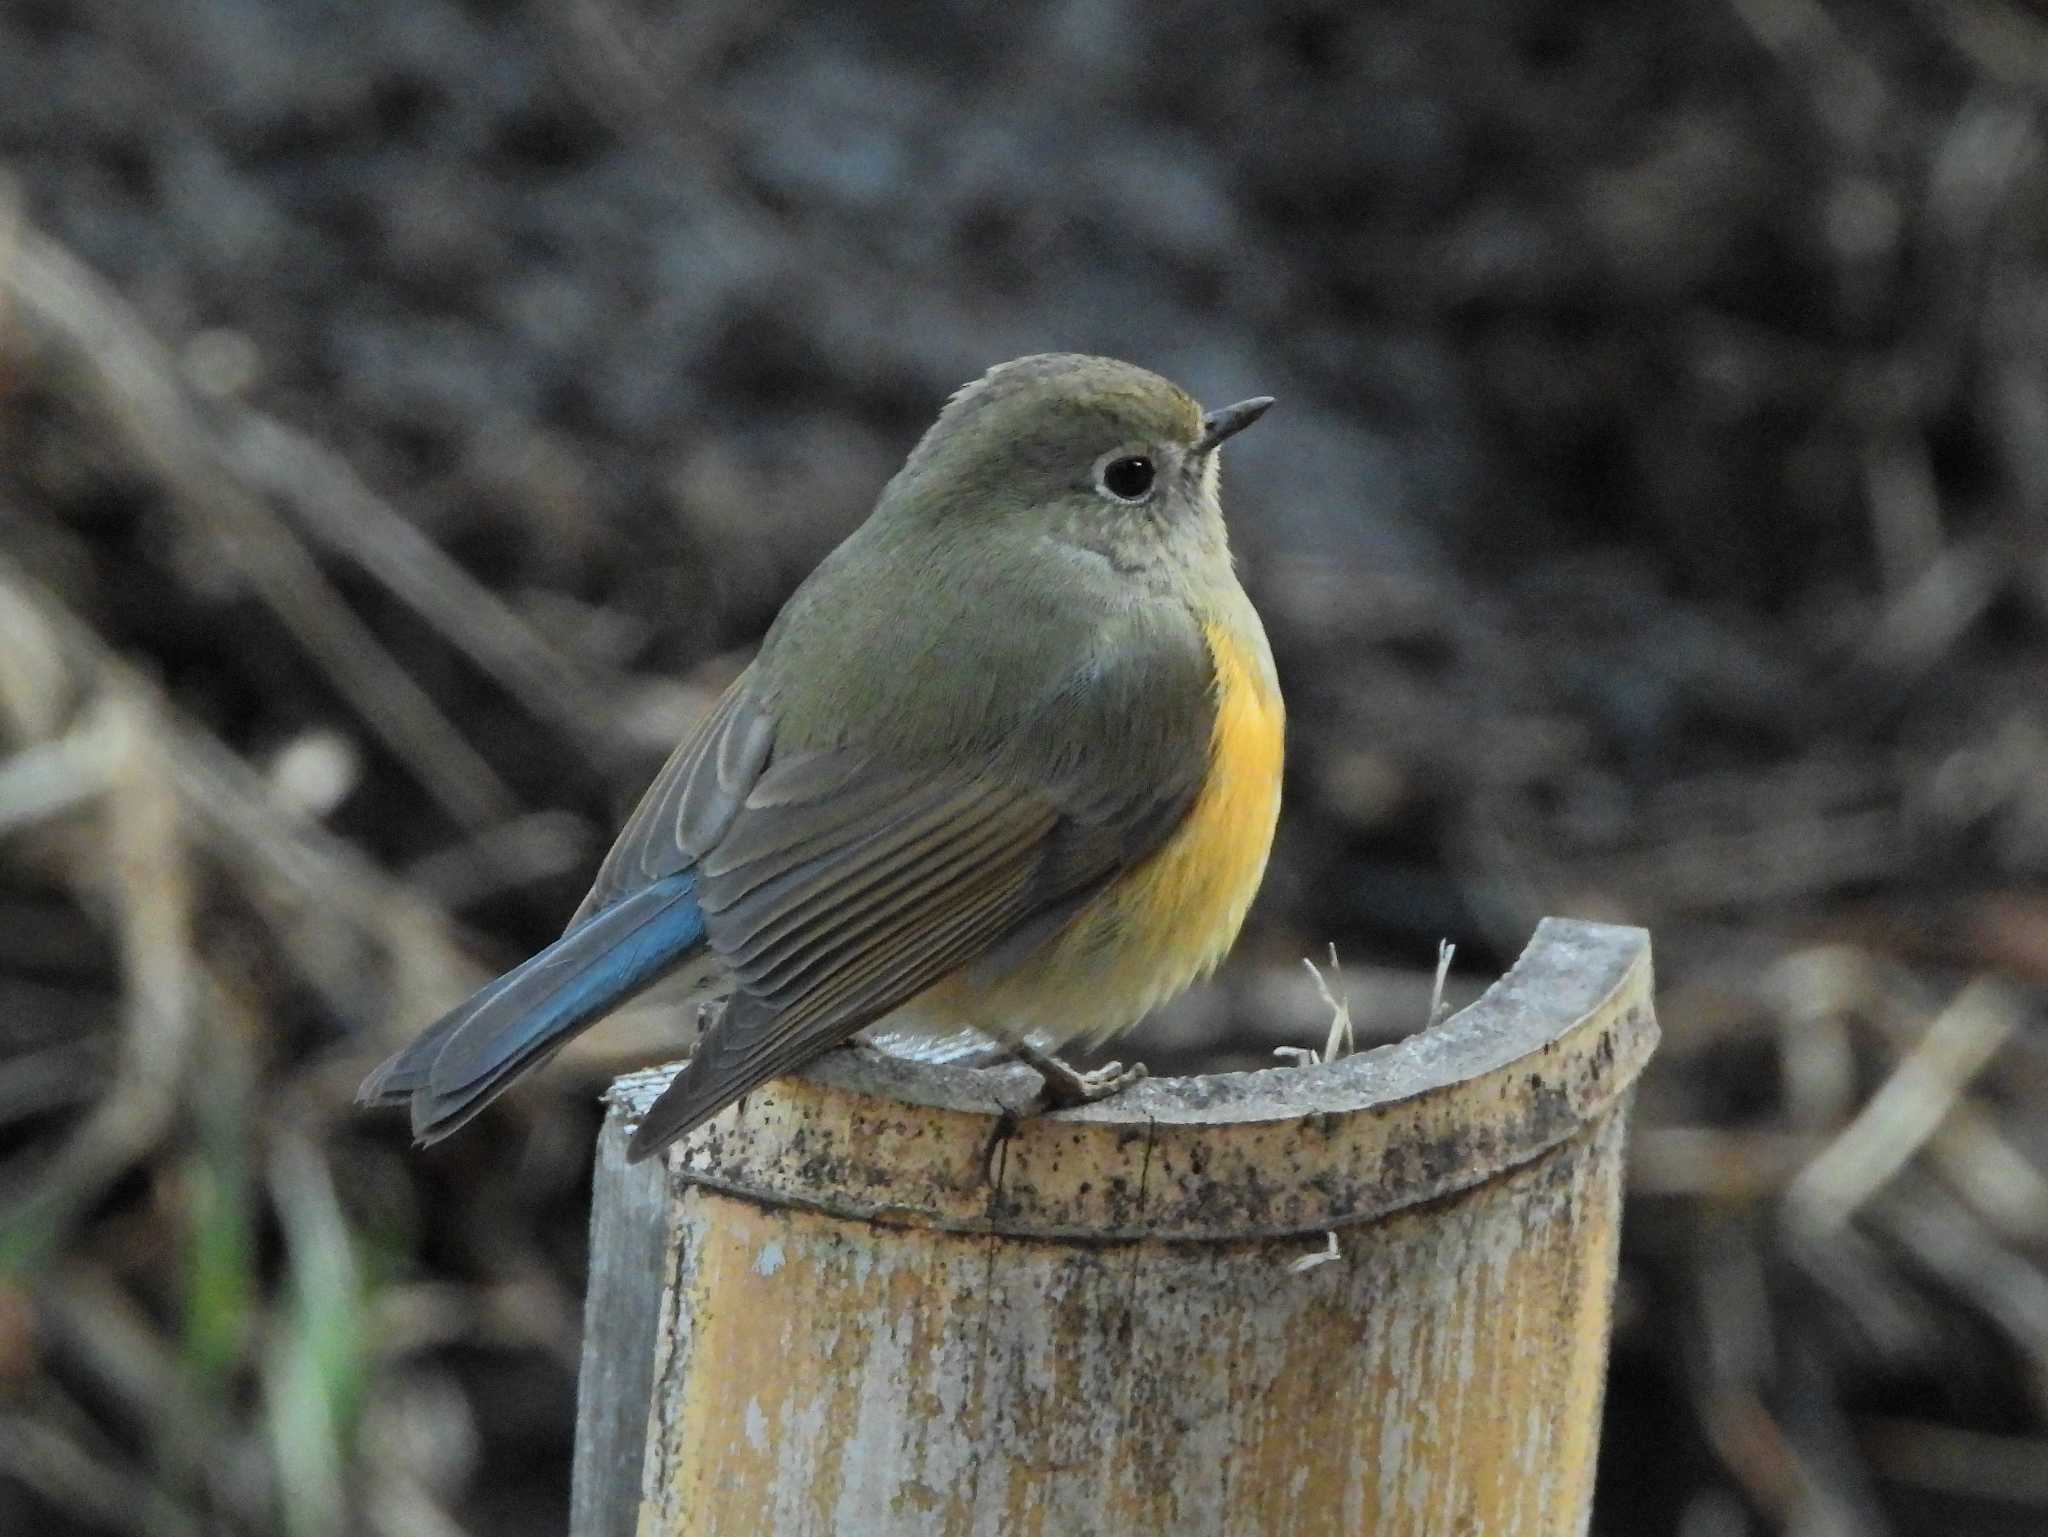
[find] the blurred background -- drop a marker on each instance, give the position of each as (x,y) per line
(412,411)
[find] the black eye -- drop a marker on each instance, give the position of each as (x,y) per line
(1128,479)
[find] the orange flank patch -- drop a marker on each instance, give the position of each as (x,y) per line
(1190,898)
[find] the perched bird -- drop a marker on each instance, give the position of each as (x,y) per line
(1008,760)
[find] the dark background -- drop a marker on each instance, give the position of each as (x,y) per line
(411,411)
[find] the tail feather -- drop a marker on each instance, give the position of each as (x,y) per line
(474,1051)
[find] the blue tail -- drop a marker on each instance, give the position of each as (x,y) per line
(475,1050)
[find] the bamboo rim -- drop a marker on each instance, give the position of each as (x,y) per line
(1281,1152)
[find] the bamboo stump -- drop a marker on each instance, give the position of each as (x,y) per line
(869,1302)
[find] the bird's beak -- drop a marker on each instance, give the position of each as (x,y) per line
(1230,421)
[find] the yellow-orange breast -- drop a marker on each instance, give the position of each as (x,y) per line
(1172,917)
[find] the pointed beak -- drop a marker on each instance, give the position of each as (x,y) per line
(1231,420)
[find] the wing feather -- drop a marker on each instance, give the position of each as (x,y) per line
(952,876)
(760,1036)
(693,800)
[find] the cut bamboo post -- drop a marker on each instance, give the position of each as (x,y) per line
(868,1301)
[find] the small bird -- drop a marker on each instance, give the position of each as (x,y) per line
(1008,760)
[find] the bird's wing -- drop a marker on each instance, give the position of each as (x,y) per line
(692,801)
(848,881)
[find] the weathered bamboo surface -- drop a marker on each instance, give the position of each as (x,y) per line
(870,1302)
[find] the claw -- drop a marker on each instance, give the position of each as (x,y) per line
(1065,1088)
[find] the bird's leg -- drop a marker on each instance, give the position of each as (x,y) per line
(1065,1087)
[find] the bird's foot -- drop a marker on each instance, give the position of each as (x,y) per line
(1066,1087)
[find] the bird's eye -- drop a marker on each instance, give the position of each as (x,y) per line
(1128,479)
